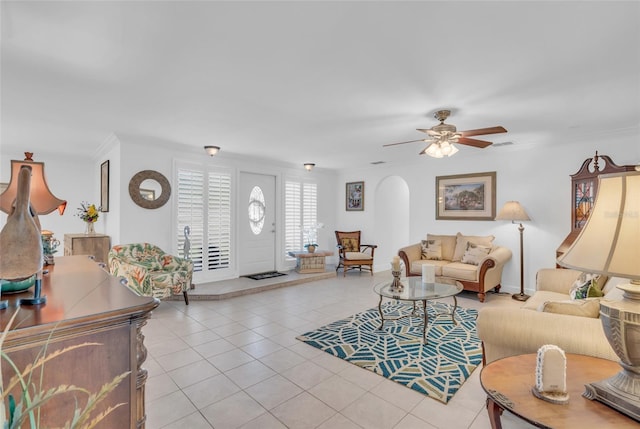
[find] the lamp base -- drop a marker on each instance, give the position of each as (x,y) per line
(520,296)
(605,392)
(621,324)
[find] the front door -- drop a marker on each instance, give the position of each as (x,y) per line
(257,248)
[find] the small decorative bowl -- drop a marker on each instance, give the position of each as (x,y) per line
(17,286)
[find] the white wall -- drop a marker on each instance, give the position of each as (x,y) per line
(537,177)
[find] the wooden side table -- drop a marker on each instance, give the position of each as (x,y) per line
(508,384)
(97,245)
(310,262)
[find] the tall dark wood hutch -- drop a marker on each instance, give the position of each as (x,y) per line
(584,188)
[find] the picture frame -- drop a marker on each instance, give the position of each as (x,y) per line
(354,196)
(104,186)
(466,196)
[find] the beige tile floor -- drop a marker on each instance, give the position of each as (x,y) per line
(236,363)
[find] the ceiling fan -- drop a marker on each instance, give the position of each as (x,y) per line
(442,137)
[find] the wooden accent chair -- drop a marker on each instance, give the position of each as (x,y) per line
(352,254)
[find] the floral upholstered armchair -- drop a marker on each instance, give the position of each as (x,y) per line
(150,271)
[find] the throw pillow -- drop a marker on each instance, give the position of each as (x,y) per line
(350,245)
(586,286)
(582,307)
(432,249)
(475,253)
(462,240)
(448,244)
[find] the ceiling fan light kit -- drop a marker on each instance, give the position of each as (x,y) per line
(443,136)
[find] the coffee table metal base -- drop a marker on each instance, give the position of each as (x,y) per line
(414,313)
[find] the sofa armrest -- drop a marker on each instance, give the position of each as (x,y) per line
(501,255)
(556,279)
(409,254)
(490,268)
(512,331)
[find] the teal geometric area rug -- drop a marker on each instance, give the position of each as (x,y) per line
(397,352)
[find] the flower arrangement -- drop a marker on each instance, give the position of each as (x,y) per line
(312,235)
(88,212)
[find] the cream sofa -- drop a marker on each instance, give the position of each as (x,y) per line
(518,330)
(451,265)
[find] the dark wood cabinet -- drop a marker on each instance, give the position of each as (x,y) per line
(584,188)
(88,310)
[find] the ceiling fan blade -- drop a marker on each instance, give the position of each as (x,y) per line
(483,131)
(410,141)
(473,142)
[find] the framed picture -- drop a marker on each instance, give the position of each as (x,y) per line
(466,196)
(104,186)
(355,196)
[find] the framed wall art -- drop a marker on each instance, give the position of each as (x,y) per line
(104,186)
(355,196)
(466,196)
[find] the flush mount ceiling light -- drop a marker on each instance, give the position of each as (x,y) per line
(212,150)
(309,166)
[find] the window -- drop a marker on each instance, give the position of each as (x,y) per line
(257,210)
(204,205)
(301,212)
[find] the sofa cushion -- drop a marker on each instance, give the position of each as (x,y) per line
(448,244)
(542,296)
(431,249)
(462,240)
(586,286)
(579,307)
(461,271)
(416,266)
(350,244)
(475,253)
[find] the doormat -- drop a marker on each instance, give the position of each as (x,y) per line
(396,352)
(267,275)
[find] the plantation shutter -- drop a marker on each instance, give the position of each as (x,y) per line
(204,204)
(191,213)
(293,220)
(219,221)
(301,211)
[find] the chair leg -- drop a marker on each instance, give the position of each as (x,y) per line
(186,297)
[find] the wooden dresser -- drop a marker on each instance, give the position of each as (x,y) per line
(97,245)
(84,304)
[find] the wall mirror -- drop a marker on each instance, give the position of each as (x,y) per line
(149,189)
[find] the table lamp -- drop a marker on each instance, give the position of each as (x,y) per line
(513,211)
(40,200)
(608,244)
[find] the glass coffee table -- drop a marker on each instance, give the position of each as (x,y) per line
(415,291)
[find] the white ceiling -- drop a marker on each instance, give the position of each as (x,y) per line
(323,82)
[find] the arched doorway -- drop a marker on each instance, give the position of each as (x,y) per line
(391,219)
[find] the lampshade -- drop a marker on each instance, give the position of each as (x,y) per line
(512,210)
(42,199)
(309,166)
(608,244)
(440,149)
(212,150)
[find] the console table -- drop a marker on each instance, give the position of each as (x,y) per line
(97,245)
(508,384)
(310,262)
(85,304)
